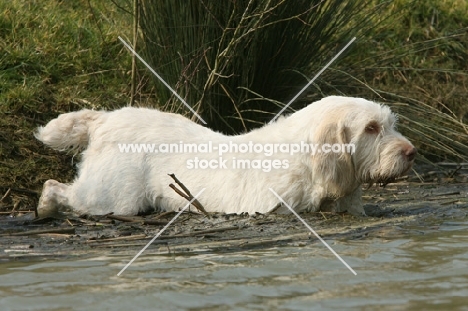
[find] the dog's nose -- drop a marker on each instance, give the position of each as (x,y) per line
(410,152)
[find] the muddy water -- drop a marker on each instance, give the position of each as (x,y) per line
(427,271)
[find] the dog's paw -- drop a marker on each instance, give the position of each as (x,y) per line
(48,206)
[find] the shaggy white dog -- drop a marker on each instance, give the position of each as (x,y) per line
(235,171)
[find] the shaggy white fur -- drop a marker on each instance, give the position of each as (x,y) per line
(111,180)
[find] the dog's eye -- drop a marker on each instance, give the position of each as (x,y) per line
(372,128)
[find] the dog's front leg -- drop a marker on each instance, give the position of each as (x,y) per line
(351,203)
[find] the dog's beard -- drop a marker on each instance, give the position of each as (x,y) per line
(381,180)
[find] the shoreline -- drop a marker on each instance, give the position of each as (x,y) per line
(398,210)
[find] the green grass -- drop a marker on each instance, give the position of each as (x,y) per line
(58,56)
(55,56)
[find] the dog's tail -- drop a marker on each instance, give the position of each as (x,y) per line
(68,132)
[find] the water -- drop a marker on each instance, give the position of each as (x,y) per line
(423,272)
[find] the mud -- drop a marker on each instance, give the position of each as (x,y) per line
(398,210)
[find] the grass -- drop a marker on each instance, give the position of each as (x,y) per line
(241,64)
(54,54)
(55,57)
(419,64)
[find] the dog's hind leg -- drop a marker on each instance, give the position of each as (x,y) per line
(54,196)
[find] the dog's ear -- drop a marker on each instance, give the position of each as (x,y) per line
(333,158)
(331,134)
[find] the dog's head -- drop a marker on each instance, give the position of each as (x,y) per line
(381,153)
(365,146)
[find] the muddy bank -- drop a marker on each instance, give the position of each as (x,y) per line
(398,210)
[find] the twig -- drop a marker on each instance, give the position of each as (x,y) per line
(260,243)
(15,206)
(264,222)
(455,171)
(401,178)
(422,177)
(126,245)
(126,238)
(274,209)
(194,233)
(137,219)
(20,190)
(435,197)
(5,195)
(35,232)
(451,164)
(449,202)
(181,185)
(136,17)
(121,7)
(446,193)
(188,196)
(323,215)
(154,222)
(162,215)
(179,192)
(125,219)
(20,211)
(98,25)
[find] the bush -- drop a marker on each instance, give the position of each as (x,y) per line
(237,62)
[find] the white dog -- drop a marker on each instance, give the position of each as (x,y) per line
(237,171)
